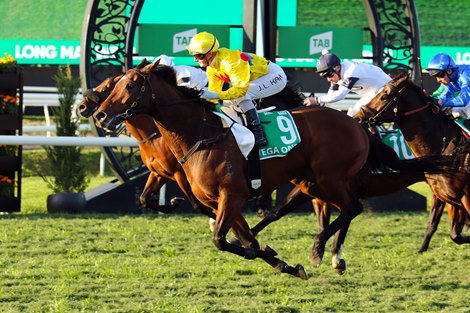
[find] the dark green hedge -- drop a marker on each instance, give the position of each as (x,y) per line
(442,23)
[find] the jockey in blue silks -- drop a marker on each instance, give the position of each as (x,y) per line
(456,79)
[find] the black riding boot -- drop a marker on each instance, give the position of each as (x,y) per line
(254,125)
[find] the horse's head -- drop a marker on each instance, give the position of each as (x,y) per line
(399,98)
(135,92)
(93,98)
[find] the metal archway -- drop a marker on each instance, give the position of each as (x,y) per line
(108,37)
(106,50)
(395,35)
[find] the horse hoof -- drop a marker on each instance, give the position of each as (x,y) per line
(250,253)
(316,257)
(316,254)
(340,268)
(235,241)
(301,272)
(270,251)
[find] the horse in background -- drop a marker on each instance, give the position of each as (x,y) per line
(428,131)
(319,165)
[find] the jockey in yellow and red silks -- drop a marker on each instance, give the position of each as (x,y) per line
(248,76)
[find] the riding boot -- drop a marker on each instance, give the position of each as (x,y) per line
(254,125)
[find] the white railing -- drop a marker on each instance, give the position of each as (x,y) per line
(68,141)
(51,128)
(45,97)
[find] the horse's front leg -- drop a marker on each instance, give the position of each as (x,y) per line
(153,184)
(228,217)
(458,217)
(182,181)
(435,214)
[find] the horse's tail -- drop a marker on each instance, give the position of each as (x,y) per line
(383,159)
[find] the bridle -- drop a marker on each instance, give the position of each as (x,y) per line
(130,112)
(392,104)
(134,109)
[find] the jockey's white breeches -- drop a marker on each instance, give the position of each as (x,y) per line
(267,85)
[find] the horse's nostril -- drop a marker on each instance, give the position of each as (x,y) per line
(99,116)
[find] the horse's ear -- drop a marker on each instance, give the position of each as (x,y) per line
(142,63)
(154,66)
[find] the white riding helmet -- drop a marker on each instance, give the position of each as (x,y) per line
(165,60)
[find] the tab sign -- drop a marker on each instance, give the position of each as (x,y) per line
(181,40)
(321,42)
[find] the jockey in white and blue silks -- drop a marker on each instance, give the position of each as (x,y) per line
(456,79)
(188,76)
(344,77)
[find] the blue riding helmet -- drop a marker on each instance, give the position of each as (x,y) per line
(326,63)
(440,62)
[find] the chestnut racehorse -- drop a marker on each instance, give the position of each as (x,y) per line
(154,152)
(329,163)
(427,131)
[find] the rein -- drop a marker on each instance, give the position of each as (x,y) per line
(153,135)
(203,143)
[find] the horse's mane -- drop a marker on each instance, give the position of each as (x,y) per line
(444,114)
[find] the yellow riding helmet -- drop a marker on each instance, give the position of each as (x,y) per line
(203,43)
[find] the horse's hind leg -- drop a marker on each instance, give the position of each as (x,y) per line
(323,211)
(349,207)
(433,221)
(294,199)
(337,262)
(229,217)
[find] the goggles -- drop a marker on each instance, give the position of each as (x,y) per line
(328,73)
(437,73)
(199,56)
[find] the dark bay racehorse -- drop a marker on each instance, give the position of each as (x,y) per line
(376,186)
(427,130)
(319,166)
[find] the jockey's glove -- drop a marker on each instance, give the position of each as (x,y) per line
(207,94)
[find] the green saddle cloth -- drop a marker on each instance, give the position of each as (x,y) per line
(464,124)
(394,139)
(281,133)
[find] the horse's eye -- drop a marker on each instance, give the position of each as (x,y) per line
(130,85)
(384,97)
